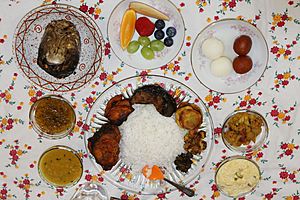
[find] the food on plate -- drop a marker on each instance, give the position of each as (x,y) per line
(144,41)
(237,177)
(212,48)
(144,26)
(242,45)
(194,141)
(242,64)
(157,45)
(160,24)
(147,10)
(147,53)
(171,31)
(183,162)
(59,50)
(243,128)
(221,67)
(117,110)
(168,41)
(164,103)
(149,138)
(133,46)
(159,34)
(189,116)
(153,173)
(104,145)
(127,27)
(53,115)
(60,166)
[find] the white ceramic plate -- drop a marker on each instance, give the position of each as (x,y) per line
(119,174)
(29,33)
(136,60)
(227,31)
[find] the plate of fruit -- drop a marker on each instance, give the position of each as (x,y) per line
(229,56)
(146,35)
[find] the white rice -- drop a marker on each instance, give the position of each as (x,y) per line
(148,138)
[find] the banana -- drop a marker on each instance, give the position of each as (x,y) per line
(147,10)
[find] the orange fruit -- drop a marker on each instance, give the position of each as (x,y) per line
(127,28)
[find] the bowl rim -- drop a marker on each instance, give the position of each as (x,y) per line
(213,24)
(36,127)
(231,158)
(258,143)
(65,148)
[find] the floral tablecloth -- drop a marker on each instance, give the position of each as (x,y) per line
(276,96)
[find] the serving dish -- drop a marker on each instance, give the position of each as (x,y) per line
(260,139)
(136,60)
(227,31)
(121,175)
(28,36)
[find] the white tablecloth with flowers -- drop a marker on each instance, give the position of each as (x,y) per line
(276,96)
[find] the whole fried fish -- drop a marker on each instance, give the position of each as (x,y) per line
(59,50)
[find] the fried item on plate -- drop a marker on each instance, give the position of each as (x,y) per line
(194,141)
(189,116)
(104,145)
(118,109)
(164,103)
(243,128)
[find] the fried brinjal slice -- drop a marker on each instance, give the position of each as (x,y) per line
(164,103)
(189,116)
(59,50)
(104,145)
(117,109)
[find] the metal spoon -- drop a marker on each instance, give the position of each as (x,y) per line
(189,192)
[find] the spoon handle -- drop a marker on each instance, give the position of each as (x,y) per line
(189,192)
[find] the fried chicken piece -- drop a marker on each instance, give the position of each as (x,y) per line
(164,103)
(104,145)
(118,109)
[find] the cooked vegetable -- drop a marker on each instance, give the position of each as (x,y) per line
(184,162)
(194,143)
(188,116)
(243,128)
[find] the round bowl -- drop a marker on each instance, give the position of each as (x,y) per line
(241,172)
(42,131)
(260,139)
(227,31)
(136,60)
(63,158)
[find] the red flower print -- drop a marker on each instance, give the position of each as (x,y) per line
(260,155)
(274,113)
(292,176)
(243,103)
(232,4)
(284,17)
(280,24)
(269,196)
(201,10)
(89,100)
(288,52)
(1,40)
(88,177)
(84,8)
(91,10)
(103,76)
(107,45)
(26,181)
(216,99)
(283,175)
(284,146)
(85,127)
(106,51)
(280,76)
(252,101)
(274,49)
(182,4)
(285,82)
(291,3)
(3,191)
(287,118)
(288,152)
(216,17)
(161,196)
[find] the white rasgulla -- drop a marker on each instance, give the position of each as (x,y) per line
(213,48)
(221,67)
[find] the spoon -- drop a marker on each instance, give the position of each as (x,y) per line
(189,192)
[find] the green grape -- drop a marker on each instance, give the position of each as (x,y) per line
(157,45)
(147,53)
(144,41)
(133,46)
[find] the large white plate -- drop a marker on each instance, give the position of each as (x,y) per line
(120,175)
(28,36)
(136,60)
(227,31)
